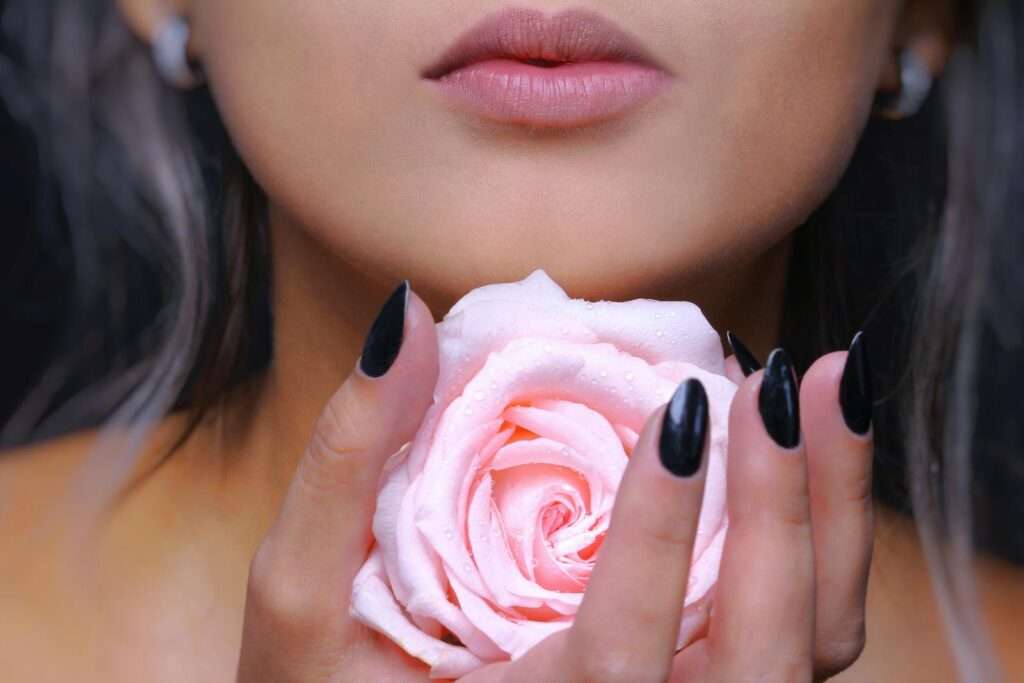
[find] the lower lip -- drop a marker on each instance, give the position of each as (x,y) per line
(565,96)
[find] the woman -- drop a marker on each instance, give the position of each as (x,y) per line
(356,159)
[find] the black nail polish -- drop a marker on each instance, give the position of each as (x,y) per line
(747,360)
(779,400)
(855,395)
(385,338)
(683,429)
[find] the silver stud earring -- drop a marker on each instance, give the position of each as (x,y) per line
(915,83)
(170,54)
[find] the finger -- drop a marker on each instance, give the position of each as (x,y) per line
(629,619)
(763,619)
(322,533)
(733,370)
(839,452)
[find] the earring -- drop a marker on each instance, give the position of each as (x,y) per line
(915,84)
(170,54)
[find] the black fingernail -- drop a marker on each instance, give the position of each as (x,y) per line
(748,361)
(683,429)
(779,400)
(855,394)
(385,337)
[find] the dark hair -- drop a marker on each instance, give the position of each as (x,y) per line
(967,438)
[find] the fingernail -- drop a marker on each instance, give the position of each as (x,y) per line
(683,429)
(855,394)
(385,338)
(779,400)
(748,361)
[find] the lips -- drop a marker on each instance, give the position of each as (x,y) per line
(520,66)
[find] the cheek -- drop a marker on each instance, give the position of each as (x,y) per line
(782,91)
(299,85)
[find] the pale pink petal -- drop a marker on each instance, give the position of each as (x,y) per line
(373,604)
(424,583)
(438,516)
(510,588)
(602,478)
(604,450)
(513,636)
(704,570)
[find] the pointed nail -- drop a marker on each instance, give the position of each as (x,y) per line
(385,337)
(747,360)
(779,400)
(683,429)
(855,395)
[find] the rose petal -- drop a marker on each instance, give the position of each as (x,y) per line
(488,317)
(513,636)
(510,588)
(373,604)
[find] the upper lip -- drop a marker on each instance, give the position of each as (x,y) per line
(573,35)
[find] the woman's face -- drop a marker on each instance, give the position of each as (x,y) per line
(328,107)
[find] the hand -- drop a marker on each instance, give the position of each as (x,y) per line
(800,521)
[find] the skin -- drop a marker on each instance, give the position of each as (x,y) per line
(357,190)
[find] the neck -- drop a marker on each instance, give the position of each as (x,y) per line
(324,303)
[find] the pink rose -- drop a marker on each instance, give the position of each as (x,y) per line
(490,520)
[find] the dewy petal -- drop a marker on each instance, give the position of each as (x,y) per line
(603,449)
(373,604)
(424,584)
(514,636)
(487,318)
(499,570)
(602,479)
(437,506)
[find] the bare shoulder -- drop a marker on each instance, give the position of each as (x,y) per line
(33,492)
(48,629)
(33,475)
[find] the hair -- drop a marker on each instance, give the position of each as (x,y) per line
(143,192)
(970,330)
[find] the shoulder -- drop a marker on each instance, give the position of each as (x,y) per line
(33,491)
(49,617)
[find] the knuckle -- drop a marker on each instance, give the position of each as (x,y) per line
(794,514)
(328,465)
(839,653)
(856,488)
(594,659)
(669,532)
(279,598)
(340,424)
(620,665)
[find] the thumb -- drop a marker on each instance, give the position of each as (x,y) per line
(322,532)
